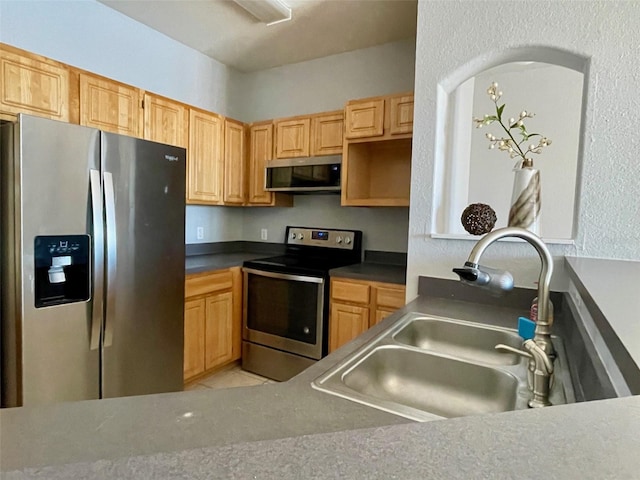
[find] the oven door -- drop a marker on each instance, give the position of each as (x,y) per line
(284,311)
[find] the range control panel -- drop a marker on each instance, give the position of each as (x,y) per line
(318,237)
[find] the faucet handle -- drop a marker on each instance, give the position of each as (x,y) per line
(501,347)
(533,351)
(539,355)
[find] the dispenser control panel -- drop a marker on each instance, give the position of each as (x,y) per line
(62,269)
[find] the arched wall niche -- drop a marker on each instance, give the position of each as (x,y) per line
(548,81)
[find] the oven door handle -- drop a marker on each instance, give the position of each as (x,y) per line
(284,276)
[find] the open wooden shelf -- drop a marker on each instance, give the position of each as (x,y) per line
(377,173)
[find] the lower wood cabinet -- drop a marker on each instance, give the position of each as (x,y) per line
(212,321)
(357,305)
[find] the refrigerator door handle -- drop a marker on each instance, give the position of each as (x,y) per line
(111,256)
(98,258)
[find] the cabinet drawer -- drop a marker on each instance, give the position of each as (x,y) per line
(350,292)
(208,282)
(390,297)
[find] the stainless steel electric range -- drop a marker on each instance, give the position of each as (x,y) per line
(286,300)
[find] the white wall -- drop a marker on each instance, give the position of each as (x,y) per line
(321,85)
(94,37)
(455,33)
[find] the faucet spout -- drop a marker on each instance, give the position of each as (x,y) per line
(544,321)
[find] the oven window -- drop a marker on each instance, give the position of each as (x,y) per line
(285,308)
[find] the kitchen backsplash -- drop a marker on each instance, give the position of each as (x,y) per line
(384,228)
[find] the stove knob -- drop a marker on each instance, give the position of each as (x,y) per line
(338,239)
(347,240)
(293,236)
(300,236)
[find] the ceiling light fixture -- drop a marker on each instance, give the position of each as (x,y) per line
(267,11)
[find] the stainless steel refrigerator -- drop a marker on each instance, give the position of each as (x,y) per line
(92,263)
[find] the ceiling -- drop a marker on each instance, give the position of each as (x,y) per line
(226,32)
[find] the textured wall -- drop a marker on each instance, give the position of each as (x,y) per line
(327,83)
(456,33)
(94,37)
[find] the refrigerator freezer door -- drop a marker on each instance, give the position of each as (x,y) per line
(53,165)
(145,211)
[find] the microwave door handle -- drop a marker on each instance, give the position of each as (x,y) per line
(111,257)
(97,233)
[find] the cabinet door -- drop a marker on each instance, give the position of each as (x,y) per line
(390,296)
(292,138)
(194,322)
(401,114)
(165,121)
(234,162)
(110,106)
(364,119)
(346,323)
(327,134)
(33,84)
(260,151)
(218,329)
(205,164)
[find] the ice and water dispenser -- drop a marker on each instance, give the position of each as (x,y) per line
(62,269)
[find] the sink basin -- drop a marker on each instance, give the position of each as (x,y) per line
(426,367)
(439,385)
(461,340)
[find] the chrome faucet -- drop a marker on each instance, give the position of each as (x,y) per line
(499,281)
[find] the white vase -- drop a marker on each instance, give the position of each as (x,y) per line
(525,200)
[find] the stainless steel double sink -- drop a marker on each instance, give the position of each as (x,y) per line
(426,367)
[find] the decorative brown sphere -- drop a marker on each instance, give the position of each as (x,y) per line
(478,218)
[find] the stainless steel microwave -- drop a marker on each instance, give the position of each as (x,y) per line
(300,175)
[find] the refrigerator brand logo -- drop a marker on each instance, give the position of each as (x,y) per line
(171,158)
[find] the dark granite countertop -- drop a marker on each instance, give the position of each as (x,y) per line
(240,432)
(388,267)
(377,272)
(290,430)
(205,257)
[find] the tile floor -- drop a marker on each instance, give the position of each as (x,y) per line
(230,377)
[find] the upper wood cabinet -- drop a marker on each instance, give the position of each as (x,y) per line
(376,162)
(364,118)
(234,162)
(260,148)
(110,106)
(205,163)
(382,117)
(400,114)
(327,133)
(165,120)
(292,137)
(260,151)
(33,84)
